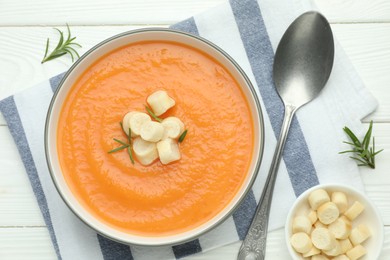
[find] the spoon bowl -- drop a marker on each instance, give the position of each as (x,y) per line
(302,66)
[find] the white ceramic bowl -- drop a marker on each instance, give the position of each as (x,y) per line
(370,217)
(83,63)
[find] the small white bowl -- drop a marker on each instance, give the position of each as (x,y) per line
(370,217)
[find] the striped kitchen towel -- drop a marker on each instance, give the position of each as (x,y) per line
(249,31)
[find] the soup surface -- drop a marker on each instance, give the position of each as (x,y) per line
(156,199)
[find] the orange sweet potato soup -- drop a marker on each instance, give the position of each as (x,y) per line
(156,199)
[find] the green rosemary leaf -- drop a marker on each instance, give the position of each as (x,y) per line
(367,137)
(130,147)
(152,114)
(119,141)
(358,159)
(47,46)
(59,44)
(62,48)
(124,145)
(118,148)
(364,154)
(348,143)
(130,154)
(74,43)
(74,51)
(54,56)
(375,153)
(347,151)
(68,39)
(182,136)
(351,135)
(70,53)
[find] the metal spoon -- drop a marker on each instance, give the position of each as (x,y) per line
(303,62)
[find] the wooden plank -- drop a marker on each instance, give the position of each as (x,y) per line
(28,243)
(352,11)
(35,244)
(377,181)
(23,48)
(18,206)
(367,46)
(379,175)
(116,12)
(91,12)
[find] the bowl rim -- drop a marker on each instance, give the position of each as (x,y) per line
(333,186)
(258,160)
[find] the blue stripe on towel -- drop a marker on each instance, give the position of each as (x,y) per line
(9,110)
(186,249)
(187,25)
(112,250)
(260,55)
(55,81)
(243,215)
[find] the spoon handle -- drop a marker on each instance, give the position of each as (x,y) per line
(254,244)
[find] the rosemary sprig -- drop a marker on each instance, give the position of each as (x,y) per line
(124,145)
(129,147)
(364,155)
(62,48)
(153,114)
(182,136)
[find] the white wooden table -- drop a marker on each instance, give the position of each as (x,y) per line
(361,26)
